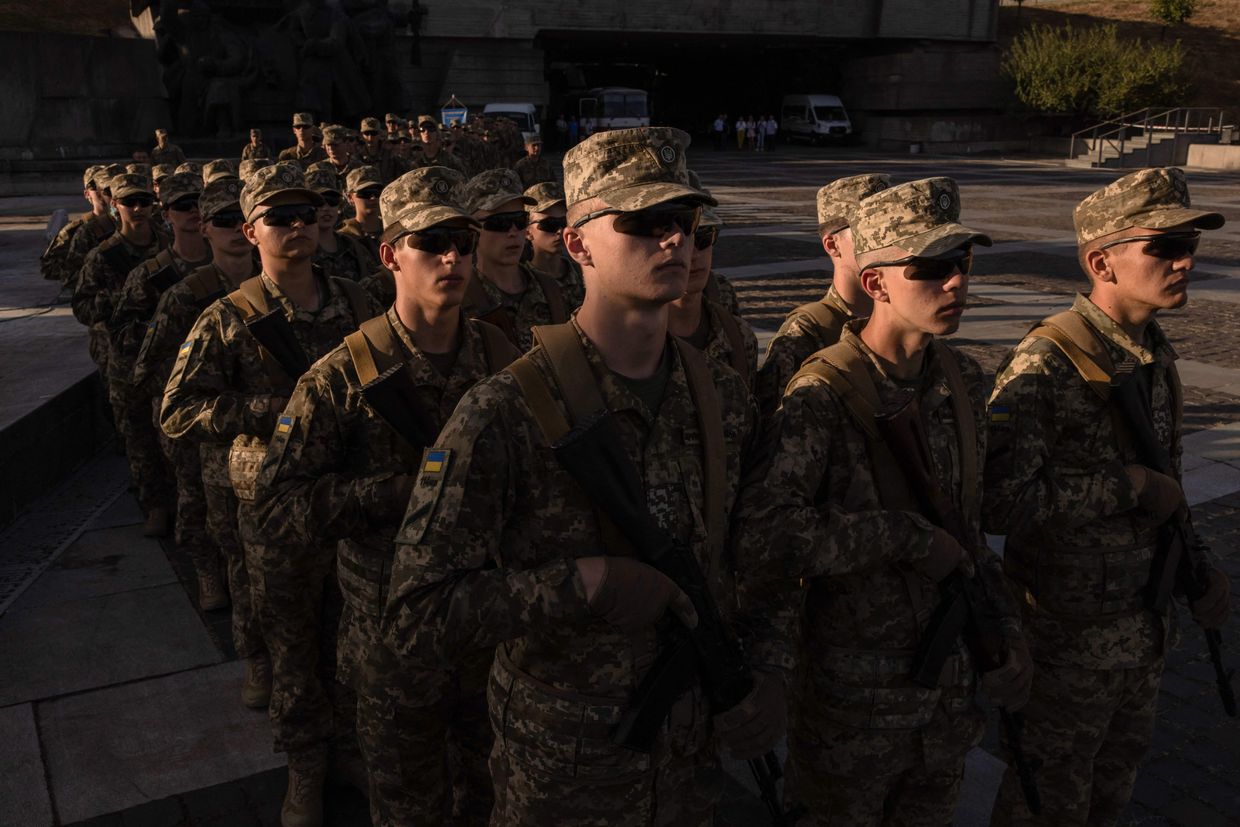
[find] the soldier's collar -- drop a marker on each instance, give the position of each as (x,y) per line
(1116,335)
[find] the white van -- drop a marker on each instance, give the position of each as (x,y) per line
(524,115)
(814,118)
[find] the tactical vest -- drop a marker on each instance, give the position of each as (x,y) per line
(245,457)
(867,688)
(365,573)
(1088,583)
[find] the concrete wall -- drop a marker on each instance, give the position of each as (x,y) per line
(1214,156)
(62,91)
(935,19)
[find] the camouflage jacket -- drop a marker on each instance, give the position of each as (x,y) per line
(255,153)
(814,514)
(175,313)
(1056,485)
(170,154)
(444,158)
(340,472)
(370,241)
(311,155)
(535,171)
(137,300)
(799,337)
(95,230)
(221,386)
(528,309)
(719,344)
(103,274)
(723,292)
(485,554)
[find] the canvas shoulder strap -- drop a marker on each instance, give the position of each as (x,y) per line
(966,429)
(499,352)
(1077,341)
(555,296)
(373,348)
(738,358)
(714,450)
(356,296)
(250,299)
(842,367)
(825,317)
(205,283)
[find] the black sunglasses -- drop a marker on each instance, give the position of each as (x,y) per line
(286,215)
(655,222)
(502,222)
(425,127)
(370,132)
(439,240)
(1165,246)
(932,268)
(551,225)
(135,201)
(705,237)
(331,199)
(370,193)
(227,220)
(184,205)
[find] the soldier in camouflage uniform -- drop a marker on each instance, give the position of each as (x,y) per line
(546,238)
(363,186)
(206,508)
(306,151)
(228,387)
(435,152)
(1082,515)
(219,168)
(339,150)
(376,152)
(255,150)
(134,305)
(868,746)
(504,290)
(500,547)
(340,254)
(94,300)
(55,263)
(534,168)
(101,229)
(164,152)
(810,328)
(704,323)
(342,473)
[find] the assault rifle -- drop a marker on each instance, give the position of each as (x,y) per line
(965,607)
(1181,560)
(592,452)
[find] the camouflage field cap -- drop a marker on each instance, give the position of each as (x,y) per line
(303,119)
(221,195)
(630,169)
(430,119)
(492,189)
(363,177)
(177,186)
(250,165)
(161,171)
(1154,198)
(129,183)
(138,169)
(279,179)
(837,201)
(545,196)
(323,178)
(710,218)
(419,199)
(371,125)
(103,179)
(922,217)
(219,168)
(191,166)
(88,176)
(392,117)
(334,134)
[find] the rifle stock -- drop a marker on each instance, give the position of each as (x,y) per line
(593,454)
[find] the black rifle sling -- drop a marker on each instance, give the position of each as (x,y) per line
(269,325)
(162,271)
(387,384)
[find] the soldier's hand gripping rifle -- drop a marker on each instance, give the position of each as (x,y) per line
(965,608)
(1181,560)
(593,453)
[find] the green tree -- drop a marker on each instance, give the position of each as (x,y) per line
(1172,12)
(1093,71)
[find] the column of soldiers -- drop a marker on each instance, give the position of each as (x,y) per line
(404,447)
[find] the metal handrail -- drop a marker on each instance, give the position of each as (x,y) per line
(1178,120)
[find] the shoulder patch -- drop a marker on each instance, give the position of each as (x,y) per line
(285,424)
(1000,414)
(436,460)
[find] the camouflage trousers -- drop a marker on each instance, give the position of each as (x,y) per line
(553,762)
(309,706)
(191,504)
(850,777)
(1089,729)
(98,346)
(148,468)
(426,756)
(222,528)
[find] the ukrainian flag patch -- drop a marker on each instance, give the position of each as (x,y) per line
(285,424)
(435,461)
(186,345)
(1000,413)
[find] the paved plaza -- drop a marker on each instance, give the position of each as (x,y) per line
(119,700)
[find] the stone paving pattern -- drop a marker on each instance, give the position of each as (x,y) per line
(118,700)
